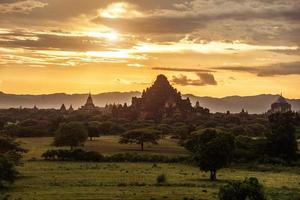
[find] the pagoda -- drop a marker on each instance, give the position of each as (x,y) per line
(89,105)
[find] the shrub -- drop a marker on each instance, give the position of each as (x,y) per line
(249,189)
(73,155)
(91,156)
(8,172)
(161,179)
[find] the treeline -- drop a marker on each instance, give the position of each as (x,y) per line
(92,156)
(44,123)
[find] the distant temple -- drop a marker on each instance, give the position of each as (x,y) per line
(280,105)
(63,108)
(159,101)
(89,105)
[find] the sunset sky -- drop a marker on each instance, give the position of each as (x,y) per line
(205,47)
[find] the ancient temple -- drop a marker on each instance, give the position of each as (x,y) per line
(71,109)
(280,105)
(89,105)
(63,108)
(161,100)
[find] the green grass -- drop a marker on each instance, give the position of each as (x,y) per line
(42,180)
(104,145)
(68,180)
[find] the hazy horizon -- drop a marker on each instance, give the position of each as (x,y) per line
(86,93)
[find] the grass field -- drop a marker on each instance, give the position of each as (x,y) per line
(104,145)
(43,180)
(67,180)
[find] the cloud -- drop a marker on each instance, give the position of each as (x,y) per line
(203,80)
(181,69)
(58,40)
(279,69)
(23,6)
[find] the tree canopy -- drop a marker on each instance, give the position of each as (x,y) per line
(140,136)
(281,138)
(71,134)
(211,150)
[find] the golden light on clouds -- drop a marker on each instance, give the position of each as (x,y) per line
(107,46)
(119,10)
(113,36)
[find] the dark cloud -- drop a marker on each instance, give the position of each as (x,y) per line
(204,79)
(191,22)
(271,70)
(181,69)
(24,6)
(153,25)
(56,40)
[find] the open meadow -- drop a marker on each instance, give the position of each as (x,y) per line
(46,180)
(73,180)
(104,145)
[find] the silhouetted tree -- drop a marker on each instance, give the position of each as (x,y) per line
(282,140)
(140,136)
(71,134)
(10,156)
(211,150)
(93,129)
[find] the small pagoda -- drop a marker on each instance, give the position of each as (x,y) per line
(89,106)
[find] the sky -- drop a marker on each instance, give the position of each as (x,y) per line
(205,47)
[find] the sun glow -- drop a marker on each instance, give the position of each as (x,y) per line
(113,36)
(119,10)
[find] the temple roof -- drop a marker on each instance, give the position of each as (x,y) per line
(281,100)
(89,100)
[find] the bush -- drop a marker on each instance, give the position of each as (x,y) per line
(8,172)
(91,156)
(249,189)
(161,179)
(73,155)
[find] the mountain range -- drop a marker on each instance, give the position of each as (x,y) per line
(252,104)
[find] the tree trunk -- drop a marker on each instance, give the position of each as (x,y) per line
(213,175)
(142,146)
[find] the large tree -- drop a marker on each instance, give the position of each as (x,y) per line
(71,134)
(10,156)
(140,136)
(93,129)
(211,150)
(282,139)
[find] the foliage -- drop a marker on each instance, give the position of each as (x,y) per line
(93,129)
(211,150)
(72,155)
(92,156)
(281,139)
(10,156)
(8,173)
(140,136)
(248,149)
(71,134)
(249,189)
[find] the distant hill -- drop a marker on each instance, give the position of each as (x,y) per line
(57,99)
(253,104)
